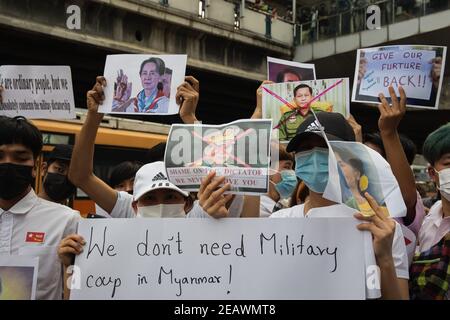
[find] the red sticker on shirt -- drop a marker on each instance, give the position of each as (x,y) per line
(407,241)
(35,237)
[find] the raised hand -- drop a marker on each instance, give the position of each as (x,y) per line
(211,197)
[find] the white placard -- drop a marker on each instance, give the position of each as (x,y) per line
(142,84)
(291,258)
(409,66)
(37,92)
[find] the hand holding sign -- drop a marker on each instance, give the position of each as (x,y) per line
(382,228)
(96,96)
(188,94)
(69,247)
(436,71)
(212,198)
(390,116)
(257,114)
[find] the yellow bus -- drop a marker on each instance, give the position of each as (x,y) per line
(117,140)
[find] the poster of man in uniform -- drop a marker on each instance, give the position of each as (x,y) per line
(417,68)
(279,70)
(143,84)
(238,150)
(289,103)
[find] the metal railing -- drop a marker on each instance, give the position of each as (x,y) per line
(354,20)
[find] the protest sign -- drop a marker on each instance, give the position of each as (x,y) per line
(355,169)
(18,277)
(417,68)
(279,70)
(238,150)
(37,92)
(289,103)
(291,258)
(142,84)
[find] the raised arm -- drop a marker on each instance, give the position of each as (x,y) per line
(81,171)
(390,117)
(383,231)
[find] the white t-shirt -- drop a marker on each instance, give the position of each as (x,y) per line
(266,206)
(399,253)
(123,207)
(34,227)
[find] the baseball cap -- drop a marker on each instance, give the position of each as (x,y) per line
(61,152)
(150,177)
(334,125)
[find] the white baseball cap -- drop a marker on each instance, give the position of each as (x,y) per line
(150,177)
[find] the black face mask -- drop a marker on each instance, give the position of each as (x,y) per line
(14,180)
(58,187)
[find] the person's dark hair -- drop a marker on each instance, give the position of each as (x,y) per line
(19,130)
(409,147)
(280,75)
(160,65)
(300,86)
(357,165)
(437,144)
(375,139)
(284,155)
(123,171)
(156,153)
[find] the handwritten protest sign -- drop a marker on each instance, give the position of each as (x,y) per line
(290,258)
(18,277)
(238,150)
(142,84)
(279,70)
(415,68)
(37,92)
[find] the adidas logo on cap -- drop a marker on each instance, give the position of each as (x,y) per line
(315,127)
(159,176)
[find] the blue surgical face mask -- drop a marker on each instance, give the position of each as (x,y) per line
(312,167)
(287,185)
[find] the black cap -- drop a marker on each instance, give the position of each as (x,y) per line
(334,124)
(61,152)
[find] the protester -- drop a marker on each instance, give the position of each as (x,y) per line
(429,271)
(29,225)
(399,155)
(81,170)
(311,152)
(56,185)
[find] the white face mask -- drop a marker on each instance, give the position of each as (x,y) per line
(444,183)
(162,211)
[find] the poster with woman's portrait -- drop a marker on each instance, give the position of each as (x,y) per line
(143,84)
(355,169)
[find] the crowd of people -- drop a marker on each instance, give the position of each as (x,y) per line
(295,190)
